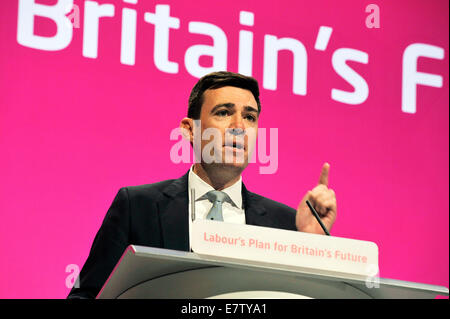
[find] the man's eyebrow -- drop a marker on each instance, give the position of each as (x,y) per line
(250,109)
(226,105)
(232,105)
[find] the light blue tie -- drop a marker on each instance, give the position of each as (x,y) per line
(217,198)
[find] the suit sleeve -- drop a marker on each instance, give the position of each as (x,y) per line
(109,244)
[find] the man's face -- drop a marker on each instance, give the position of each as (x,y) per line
(232,114)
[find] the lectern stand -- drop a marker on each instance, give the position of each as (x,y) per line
(145,272)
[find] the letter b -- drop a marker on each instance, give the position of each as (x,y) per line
(28,9)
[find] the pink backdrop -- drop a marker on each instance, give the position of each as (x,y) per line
(74,129)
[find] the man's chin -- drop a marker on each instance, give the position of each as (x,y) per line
(230,159)
(230,166)
(239,166)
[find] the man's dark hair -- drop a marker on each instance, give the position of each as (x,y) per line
(217,80)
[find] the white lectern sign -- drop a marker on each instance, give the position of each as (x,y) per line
(277,246)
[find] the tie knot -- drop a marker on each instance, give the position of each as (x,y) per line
(217,196)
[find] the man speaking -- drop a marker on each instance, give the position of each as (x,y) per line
(225,106)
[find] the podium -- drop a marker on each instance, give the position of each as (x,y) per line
(144,272)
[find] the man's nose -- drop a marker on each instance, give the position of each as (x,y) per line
(237,124)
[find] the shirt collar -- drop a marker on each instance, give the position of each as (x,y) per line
(201,188)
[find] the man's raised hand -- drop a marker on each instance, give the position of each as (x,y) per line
(323,200)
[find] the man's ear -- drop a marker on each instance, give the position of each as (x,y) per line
(187,129)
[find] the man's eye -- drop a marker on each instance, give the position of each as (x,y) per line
(251,118)
(222,113)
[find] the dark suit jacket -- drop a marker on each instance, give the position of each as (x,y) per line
(156,215)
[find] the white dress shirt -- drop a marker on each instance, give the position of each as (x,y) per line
(232,212)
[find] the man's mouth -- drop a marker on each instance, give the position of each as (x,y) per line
(237,145)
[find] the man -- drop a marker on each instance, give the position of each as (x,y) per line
(227,105)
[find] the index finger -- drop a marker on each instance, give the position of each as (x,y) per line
(323,179)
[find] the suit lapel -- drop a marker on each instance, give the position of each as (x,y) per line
(255,212)
(174,214)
